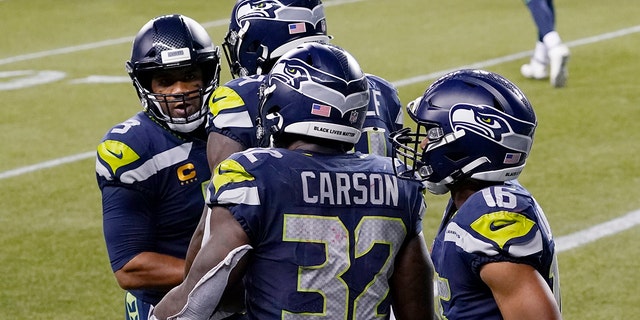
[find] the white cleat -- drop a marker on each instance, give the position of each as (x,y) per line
(534,70)
(558,59)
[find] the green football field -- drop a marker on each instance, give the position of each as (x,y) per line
(63,85)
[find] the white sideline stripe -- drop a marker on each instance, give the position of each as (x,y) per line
(516,56)
(47,164)
(598,231)
(82,47)
(111,42)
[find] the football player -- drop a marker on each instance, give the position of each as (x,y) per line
(259,33)
(152,168)
(312,229)
(494,252)
(550,56)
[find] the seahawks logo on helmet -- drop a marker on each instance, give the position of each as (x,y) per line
(295,74)
(275,10)
(489,123)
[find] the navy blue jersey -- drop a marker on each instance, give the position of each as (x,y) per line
(384,116)
(325,229)
(499,223)
(234,110)
(152,191)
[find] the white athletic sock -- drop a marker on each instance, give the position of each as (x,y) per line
(551,39)
(540,53)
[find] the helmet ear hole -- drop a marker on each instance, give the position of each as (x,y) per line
(273,109)
(498,105)
(253,46)
(267,64)
(309,60)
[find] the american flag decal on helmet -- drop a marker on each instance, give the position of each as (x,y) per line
(511,158)
(297,28)
(321,110)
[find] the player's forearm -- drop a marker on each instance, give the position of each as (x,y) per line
(201,293)
(195,243)
(151,270)
(520,291)
(412,282)
(536,305)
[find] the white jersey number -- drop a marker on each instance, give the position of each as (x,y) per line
(325,278)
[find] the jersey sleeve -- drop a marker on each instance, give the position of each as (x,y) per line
(124,206)
(418,205)
(133,151)
(384,115)
(392,110)
(121,175)
(234,186)
(233,109)
(500,226)
(419,210)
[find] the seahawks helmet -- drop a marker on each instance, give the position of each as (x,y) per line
(260,31)
(169,42)
(316,90)
(478,124)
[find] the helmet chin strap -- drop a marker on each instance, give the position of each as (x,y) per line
(190,123)
(436,188)
(441,187)
(263,57)
(186,127)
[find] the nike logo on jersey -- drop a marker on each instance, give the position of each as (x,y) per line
(112,153)
(117,155)
(503,226)
(216,99)
(500,224)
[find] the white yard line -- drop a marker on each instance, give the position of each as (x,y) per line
(111,42)
(516,56)
(598,231)
(563,243)
(47,164)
